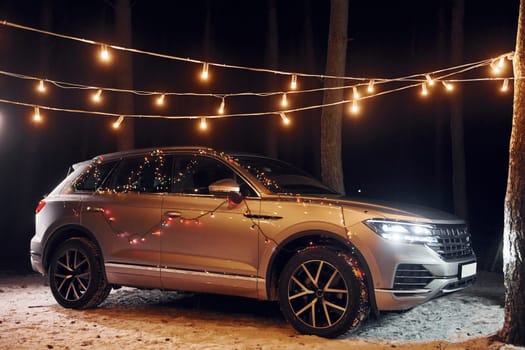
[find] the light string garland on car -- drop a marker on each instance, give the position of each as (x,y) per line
(368,85)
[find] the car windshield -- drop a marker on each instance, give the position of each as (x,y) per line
(281,177)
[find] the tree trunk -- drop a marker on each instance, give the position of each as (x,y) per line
(456,117)
(126,133)
(513,330)
(331,117)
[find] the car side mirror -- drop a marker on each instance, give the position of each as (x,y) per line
(224,186)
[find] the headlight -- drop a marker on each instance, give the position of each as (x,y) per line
(402,231)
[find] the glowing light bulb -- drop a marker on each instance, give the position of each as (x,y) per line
(370,87)
(285,119)
(36,115)
(205,73)
(41,87)
(501,62)
(505,85)
(203,125)
(221,107)
(496,69)
(284,101)
(117,123)
(356,93)
(424,90)
(448,86)
(97,96)
(293,83)
(160,100)
(355,107)
(430,81)
(104,53)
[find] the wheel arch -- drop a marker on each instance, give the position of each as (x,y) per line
(61,235)
(309,239)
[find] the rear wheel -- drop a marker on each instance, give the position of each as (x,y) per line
(322,292)
(76,275)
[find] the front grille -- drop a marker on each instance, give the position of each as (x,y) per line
(411,276)
(454,242)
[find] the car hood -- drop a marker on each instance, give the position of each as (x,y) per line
(399,211)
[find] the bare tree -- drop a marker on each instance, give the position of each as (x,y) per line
(513,330)
(331,117)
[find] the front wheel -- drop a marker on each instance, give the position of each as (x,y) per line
(322,292)
(76,275)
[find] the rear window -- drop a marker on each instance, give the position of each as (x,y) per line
(93,176)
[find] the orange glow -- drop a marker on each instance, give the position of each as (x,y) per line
(285,119)
(430,81)
(505,85)
(160,100)
(424,90)
(448,86)
(41,87)
(284,101)
(104,54)
(370,87)
(356,93)
(36,115)
(97,96)
(293,83)
(355,107)
(203,125)
(221,107)
(117,123)
(205,73)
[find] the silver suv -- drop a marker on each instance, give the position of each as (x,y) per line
(193,219)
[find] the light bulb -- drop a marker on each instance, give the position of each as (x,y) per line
(221,107)
(41,87)
(355,107)
(370,87)
(97,96)
(293,83)
(117,123)
(160,100)
(429,80)
(284,119)
(104,53)
(448,86)
(203,125)
(424,90)
(496,69)
(36,115)
(505,85)
(356,93)
(501,62)
(204,73)
(284,101)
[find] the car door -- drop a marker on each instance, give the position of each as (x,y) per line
(125,213)
(207,242)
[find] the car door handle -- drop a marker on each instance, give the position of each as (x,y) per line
(263,217)
(172,214)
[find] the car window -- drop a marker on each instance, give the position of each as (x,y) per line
(148,173)
(193,174)
(93,176)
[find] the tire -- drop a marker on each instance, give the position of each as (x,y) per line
(76,275)
(322,292)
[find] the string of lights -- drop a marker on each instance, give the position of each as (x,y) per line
(424,80)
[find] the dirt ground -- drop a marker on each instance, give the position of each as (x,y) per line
(139,319)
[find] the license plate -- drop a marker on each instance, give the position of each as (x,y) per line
(467,270)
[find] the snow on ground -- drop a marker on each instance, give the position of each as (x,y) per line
(139,319)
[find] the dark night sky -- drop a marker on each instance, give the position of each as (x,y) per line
(397,149)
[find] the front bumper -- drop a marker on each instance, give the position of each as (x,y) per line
(416,284)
